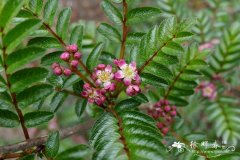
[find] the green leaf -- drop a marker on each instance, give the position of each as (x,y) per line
(109,32)
(93,57)
(77,36)
(63,23)
(151,79)
(141,98)
(50,58)
(80,107)
(5,100)
(112,12)
(10,9)
(78,87)
(52,145)
(8,119)
(36,118)
(57,100)
(107,58)
(50,11)
(22,57)
(128,104)
(36,6)
(79,152)
(138,15)
(142,138)
(134,38)
(16,35)
(33,94)
(27,77)
(45,42)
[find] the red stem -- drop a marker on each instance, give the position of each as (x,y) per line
(13,96)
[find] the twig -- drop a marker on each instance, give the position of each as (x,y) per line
(23,146)
(155,54)
(124,29)
(13,96)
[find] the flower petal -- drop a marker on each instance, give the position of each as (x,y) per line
(119,75)
(127,81)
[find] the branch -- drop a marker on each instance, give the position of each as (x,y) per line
(22,146)
(13,95)
(154,55)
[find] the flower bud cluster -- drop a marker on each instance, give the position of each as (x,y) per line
(164,113)
(72,57)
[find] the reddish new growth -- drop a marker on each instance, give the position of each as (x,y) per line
(164,113)
(71,56)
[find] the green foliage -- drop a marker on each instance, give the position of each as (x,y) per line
(138,137)
(109,32)
(63,23)
(33,119)
(227,55)
(26,77)
(80,107)
(93,57)
(52,145)
(21,57)
(50,9)
(77,36)
(8,119)
(18,33)
(224,114)
(9,10)
(75,153)
(112,12)
(33,94)
(139,15)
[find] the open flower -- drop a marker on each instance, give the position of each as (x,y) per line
(209,91)
(103,76)
(127,72)
(93,95)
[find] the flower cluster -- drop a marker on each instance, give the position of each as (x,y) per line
(129,75)
(71,56)
(106,78)
(164,113)
(93,95)
(208,90)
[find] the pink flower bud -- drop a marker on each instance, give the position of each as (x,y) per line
(57,71)
(167,108)
(173,113)
(54,65)
(101,66)
(77,55)
(160,125)
(67,72)
(65,56)
(72,48)
(74,63)
(165,130)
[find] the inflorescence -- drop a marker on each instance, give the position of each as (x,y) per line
(164,113)
(105,77)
